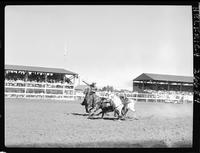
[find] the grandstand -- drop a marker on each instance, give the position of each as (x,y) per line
(39,82)
(157,82)
(167,88)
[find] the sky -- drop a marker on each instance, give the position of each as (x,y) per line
(106,44)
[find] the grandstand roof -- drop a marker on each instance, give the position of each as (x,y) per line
(38,69)
(162,77)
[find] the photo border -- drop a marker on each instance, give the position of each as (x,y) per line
(196,63)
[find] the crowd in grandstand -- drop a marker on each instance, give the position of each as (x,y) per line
(163,86)
(172,95)
(35,77)
(14,75)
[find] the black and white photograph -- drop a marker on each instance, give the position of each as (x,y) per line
(98,76)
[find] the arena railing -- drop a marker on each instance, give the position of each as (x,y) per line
(42,90)
(156,97)
(20,89)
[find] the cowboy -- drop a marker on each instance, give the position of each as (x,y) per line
(93,88)
(92,92)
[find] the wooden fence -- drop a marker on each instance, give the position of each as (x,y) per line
(67,92)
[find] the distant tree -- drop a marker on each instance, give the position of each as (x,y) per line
(124,90)
(108,88)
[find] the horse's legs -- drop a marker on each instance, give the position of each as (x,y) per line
(115,113)
(97,108)
(126,110)
(123,110)
(91,112)
(99,113)
(86,109)
(102,114)
(120,116)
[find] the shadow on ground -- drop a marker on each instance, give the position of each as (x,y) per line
(105,118)
(96,117)
(79,114)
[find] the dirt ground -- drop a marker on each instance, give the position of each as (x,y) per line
(61,124)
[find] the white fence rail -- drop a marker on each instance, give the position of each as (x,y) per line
(75,96)
(156,97)
(39,90)
(66,92)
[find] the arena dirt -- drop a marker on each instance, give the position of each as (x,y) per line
(50,123)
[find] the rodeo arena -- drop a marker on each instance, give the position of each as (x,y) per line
(44,107)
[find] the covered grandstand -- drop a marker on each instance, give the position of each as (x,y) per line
(40,82)
(157,82)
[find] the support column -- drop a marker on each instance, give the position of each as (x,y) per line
(142,85)
(26,80)
(74,87)
(63,85)
(45,91)
(168,86)
(181,87)
(156,86)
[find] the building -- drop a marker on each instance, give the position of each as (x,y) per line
(39,82)
(157,82)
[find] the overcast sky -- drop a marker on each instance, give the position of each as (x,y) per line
(110,45)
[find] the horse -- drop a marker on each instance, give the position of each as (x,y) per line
(91,101)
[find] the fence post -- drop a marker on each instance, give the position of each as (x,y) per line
(25,87)
(63,90)
(146,97)
(136,96)
(156,97)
